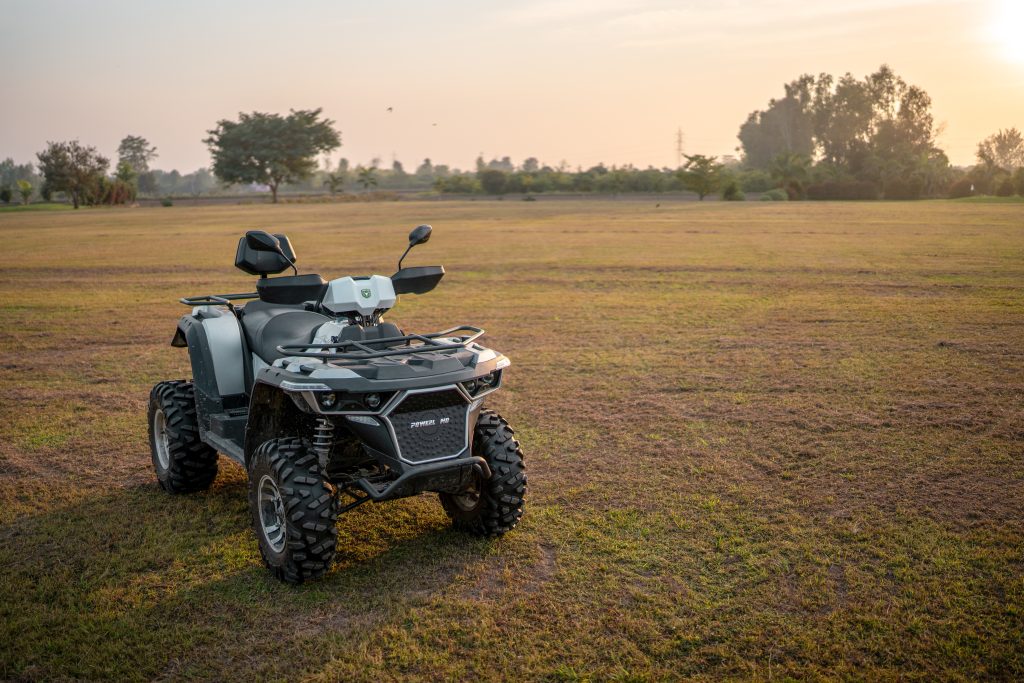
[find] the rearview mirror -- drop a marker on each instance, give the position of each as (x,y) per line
(262,241)
(419,235)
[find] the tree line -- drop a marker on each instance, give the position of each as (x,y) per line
(825,138)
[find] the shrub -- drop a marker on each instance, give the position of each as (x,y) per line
(46,192)
(961,188)
(842,189)
(1006,188)
(493,181)
(903,189)
(776,195)
(5,195)
(1018,181)
(756,181)
(118,192)
(457,184)
(166,201)
(732,192)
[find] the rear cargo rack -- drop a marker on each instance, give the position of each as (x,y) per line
(363,350)
(217,299)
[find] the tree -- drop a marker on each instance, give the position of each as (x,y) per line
(11,173)
(335,181)
(878,129)
(700,174)
(136,151)
(786,126)
(791,172)
(492,180)
(425,170)
(270,149)
(367,177)
(126,173)
(72,168)
(25,190)
(530,165)
(5,194)
(199,181)
(147,182)
(1004,149)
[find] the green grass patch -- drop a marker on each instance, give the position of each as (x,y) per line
(763,441)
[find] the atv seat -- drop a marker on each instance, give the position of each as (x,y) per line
(370,334)
(268,326)
(291,289)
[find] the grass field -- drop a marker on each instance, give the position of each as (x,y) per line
(763,440)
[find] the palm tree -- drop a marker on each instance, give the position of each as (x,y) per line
(335,181)
(368,178)
(791,171)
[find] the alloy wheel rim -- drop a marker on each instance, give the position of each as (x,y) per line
(468,500)
(161,440)
(272,515)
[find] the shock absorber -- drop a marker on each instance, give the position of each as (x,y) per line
(323,441)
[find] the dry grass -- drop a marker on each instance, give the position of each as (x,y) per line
(763,441)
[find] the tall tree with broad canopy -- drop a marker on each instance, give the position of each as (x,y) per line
(878,129)
(1004,150)
(700,174)
(136,151)
(72,168)
(270,149)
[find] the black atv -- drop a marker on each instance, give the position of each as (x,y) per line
(328,406)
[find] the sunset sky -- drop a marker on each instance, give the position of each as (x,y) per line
(576,80)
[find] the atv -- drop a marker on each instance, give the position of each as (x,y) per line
(328,406)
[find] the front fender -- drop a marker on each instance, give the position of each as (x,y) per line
(273,414)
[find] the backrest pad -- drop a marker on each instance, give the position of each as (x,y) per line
(263,262)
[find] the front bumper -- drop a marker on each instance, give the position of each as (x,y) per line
(443,475)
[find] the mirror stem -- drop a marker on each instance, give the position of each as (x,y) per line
(407,249)
(295,271)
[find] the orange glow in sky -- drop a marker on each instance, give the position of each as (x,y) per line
(577,80)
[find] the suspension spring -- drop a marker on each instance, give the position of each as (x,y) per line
(323,441)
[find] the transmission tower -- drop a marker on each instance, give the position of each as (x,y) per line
(680,138)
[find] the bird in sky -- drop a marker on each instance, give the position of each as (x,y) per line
(389,110)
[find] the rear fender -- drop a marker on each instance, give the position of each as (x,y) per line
(215,350)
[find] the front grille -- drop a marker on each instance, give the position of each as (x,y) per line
(430,425)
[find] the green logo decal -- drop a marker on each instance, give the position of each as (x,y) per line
(366,293)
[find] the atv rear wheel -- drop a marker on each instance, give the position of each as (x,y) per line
(294,510)
(491,507)
(183,463)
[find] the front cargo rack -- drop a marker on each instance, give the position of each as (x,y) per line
(364,349)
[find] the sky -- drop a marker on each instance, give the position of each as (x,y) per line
(584,81)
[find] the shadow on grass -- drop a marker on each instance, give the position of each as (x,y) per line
(137,583)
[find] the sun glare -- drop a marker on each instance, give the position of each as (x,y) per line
(1005,30)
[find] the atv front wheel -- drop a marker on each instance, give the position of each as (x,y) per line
(293,510)
(491,507)
(183,463)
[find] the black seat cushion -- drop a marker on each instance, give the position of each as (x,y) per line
(268,326)
(369,334)
(291,289)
